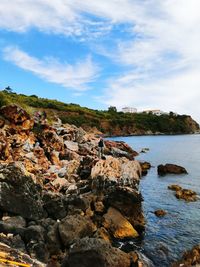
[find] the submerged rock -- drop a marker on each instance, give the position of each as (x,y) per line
(181,193)
(186,194)
(160,213)
(171,168)
(189,258)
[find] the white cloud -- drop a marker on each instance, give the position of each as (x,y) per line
(76,76)
(162,51)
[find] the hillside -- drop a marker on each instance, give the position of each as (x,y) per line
(109,122)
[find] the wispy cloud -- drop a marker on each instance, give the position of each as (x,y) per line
(160,53)
(77,76)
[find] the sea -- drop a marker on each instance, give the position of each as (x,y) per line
(167,238)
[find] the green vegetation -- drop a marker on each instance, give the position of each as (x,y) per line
(110,122)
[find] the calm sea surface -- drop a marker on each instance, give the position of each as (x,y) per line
(167,238)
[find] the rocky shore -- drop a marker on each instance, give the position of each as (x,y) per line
(60,205)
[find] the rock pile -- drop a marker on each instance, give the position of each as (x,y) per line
(60,203)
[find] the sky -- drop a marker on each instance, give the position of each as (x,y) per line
(100,53)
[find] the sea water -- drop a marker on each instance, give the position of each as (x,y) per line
(166,238)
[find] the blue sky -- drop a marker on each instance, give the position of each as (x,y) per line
(97,53)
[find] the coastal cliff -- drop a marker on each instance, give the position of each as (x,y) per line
(110,123)
(59,203)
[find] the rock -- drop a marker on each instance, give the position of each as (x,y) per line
(96,252)
(16,221)
(160,213)
(53,240)
(2,122)
(73,146)
(175,187)
(11,254)
(145,167)
(122,146)
(54,205)
(74,227)
(15,114)
(116,169)
(171,168)
(102,233)
(19,194)
(117,225)
(128,202)
(186,194)
(189,258)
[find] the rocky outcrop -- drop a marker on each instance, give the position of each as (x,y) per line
(189,258)
(185,194)
(19,194)
(96,252)
(171,169)
(55,192)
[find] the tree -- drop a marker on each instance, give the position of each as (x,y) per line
(8,89)
(112,109)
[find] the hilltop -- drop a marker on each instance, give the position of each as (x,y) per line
(110,123)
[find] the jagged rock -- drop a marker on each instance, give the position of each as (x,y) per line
(11,254)
(73,227)
(96,252)
(117,225)
(128,201)
(73,146)
(189,258)
(175,187)
(145,167)
(160,213)
(102,233)
(122,146)
(19,194)
(116,169)
(170,168)
(34,237)
(186,194)
(181,193)
(17,115)
(54,205)
(16,221)
(53,240)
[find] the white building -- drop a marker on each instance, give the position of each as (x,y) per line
(157,112)
(129,110)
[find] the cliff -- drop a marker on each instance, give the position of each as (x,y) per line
(60,205)
(110,123)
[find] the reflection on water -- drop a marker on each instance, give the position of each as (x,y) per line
(167,238)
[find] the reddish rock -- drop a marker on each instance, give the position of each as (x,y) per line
(160,213)
(16,115)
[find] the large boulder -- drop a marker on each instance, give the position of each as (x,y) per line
(118,225)
(19,194)
(74,227)
(170,168)
(129,202)
(89,252)
(115,169)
